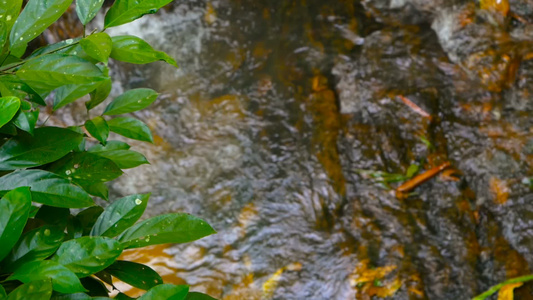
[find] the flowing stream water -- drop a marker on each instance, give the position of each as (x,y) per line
(281,114)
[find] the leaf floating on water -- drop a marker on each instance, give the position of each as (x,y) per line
(500,189)
(210,14)
(374,281)
(269,287)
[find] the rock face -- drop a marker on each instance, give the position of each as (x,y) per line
(470,69)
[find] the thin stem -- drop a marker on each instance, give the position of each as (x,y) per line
(48,118)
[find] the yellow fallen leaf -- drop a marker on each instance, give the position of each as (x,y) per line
(269,287)
(507,291)
(210,14)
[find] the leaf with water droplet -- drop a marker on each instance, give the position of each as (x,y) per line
(87,9)
(9,11)
(24,150)
(170,228)
(98,46)
(34,19)
(125,11)
(35,290)
(36,244)
(91,168)
(63,280)
(135,274)
(48,72)
(120,215)
(88,255)
(47,188)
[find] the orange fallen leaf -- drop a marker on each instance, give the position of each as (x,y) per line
(500,189)
(415,107)
(421,178)
(500,6)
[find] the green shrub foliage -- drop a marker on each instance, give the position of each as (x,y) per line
(48,250)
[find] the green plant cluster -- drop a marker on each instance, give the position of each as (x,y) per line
(55,243)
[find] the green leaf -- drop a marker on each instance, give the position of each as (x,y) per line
(125,159)
(110,146)
(8,109)
(131,49)
(98,128)
(88,217)
(59,47)
(74,229)
(33,211)
(87,255)
(14,211)
(122,296)
(2,292)
(36,244)
(120,215)
(135,274)
(98,46)
(105,277)
(87,9)
(10,85)
(26,120)
(63,280)
(75,296)
(25,106)
(47,188)
(25,151)
(169,228)
(9,129)
(130,101)
(35,18)
(69,93)
(412,170)
(198,296)
(100,94)
(35,290)
(9,11)
(86,168)
(125,11)
(131,128)
(95,287)
(51,71)
(96,189)
(3,35)
(57,216)
(166,292)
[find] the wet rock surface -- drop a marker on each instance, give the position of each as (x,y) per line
(462,234)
